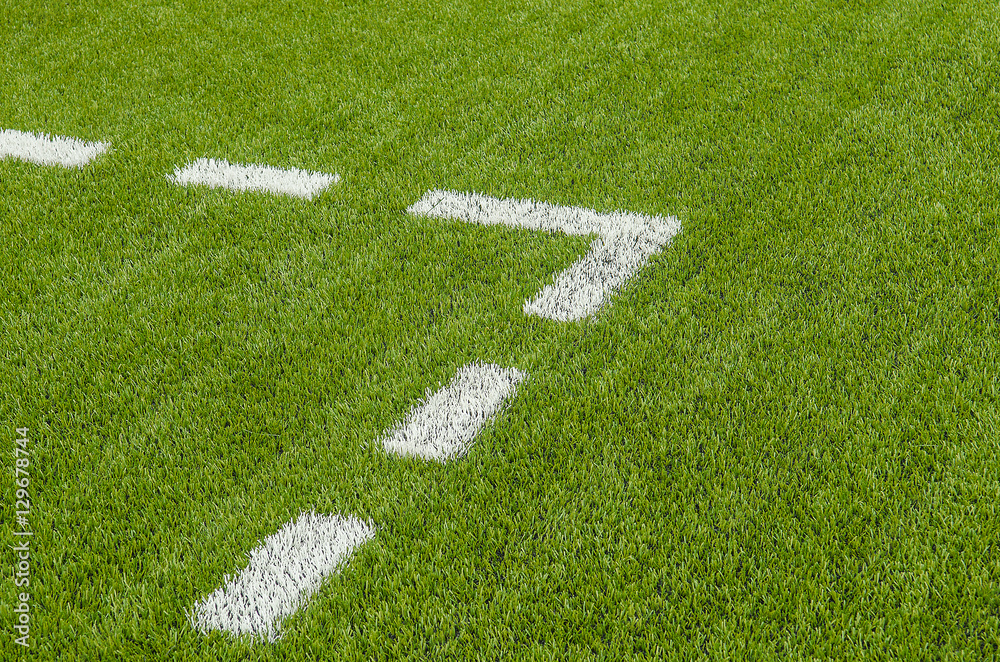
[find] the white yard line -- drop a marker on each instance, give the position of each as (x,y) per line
(625,242)
(49,150)
(217,173)
(283,573)
(445,424)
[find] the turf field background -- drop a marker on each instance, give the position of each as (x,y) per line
(779,442)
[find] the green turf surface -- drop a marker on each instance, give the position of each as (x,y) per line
(780,442)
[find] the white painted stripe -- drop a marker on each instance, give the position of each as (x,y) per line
(49,150)
(626,241)
(444,426)
(283,573)
(581,289)
(528,214)
(222,174)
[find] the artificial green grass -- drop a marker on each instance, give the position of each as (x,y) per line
(779,442)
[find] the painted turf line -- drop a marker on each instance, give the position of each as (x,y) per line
(49,150)
(625,242)
(284,572)
(445,424)
(218,173)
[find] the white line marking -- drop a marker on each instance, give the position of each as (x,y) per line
(219,173)
(49,150)
(626,240)
(284,572)
(446,423)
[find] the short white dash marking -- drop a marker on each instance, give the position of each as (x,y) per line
(49,150)
(444,426)
(283,573)
(222,174)
(625,242)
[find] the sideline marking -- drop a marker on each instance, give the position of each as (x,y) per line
(625,241)
(49,150)
(218,173)
(283,573)
(446,423)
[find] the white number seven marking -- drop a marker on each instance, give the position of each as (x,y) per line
(625,241)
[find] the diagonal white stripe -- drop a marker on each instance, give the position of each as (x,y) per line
(283,573)
(237,177)
(49,150)
(624,244)
(581,289)
(444,426)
